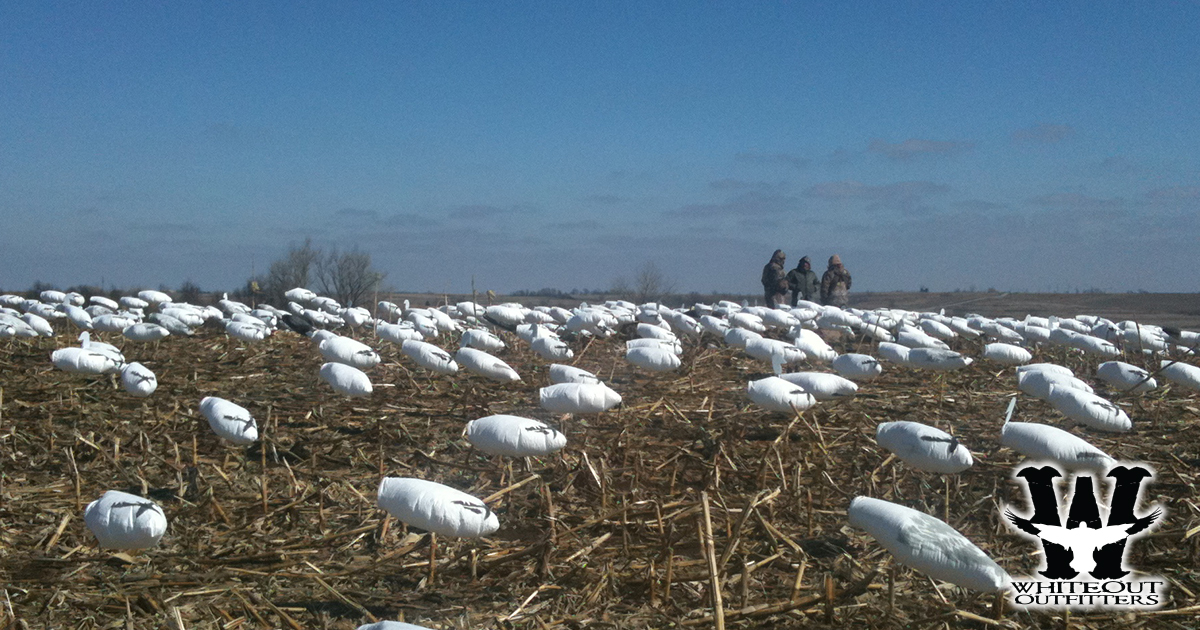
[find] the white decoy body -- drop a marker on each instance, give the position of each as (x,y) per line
(1181,374)
(437,508)
(775,394)
(429,356)
(1007,354)
(578,398)
(937,359)
(653,358)
(481,340)
(485,365)
(560,373)
(858,367)
(145,332)
(229,420)
(350,352)
(1125,377)
(924,447)
(1042,442)
(822,385)
(345,379)
(514,436)
(391,625)
(1037,383)
(894,352)
(120,520)
(927,544)
(138,380)
(1089,409)
(551,349)
(83,361)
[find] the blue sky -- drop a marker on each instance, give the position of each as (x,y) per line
(1020,146)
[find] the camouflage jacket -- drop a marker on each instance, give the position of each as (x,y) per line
(835,282)
(773,278)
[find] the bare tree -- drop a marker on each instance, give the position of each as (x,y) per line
(296,269)
(650,284)
(347,276)
(620,288)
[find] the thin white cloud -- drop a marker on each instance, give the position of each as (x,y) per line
(1044,133)
(915,148)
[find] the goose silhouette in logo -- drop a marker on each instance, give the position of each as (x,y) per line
(1084,545)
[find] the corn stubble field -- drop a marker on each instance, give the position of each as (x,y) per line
(607,533)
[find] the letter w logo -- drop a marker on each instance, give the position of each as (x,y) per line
(1083,545)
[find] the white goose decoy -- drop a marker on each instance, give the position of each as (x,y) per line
(894,352)
(924,447)
(437,508)
(653,358)
(138,380)
(120,520)
(1007,354)
(349,351)
(551,349)
(145,332)
(485,365)
(1125,377)
(1042,442)
(1037,383)
(570,374)
(927,544)
(775,394)
(578,398)
(84,361)
(429,356)
(398,333)
(514,436)
(822,385)
(1181,374)
(1089,409)
(937,359)
(858,367)
(229,421)
(390,625)
(481,340)
(247,331)
(346,379)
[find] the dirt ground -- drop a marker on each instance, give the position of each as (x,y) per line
(606,534)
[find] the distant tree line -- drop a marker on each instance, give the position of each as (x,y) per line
(346,276)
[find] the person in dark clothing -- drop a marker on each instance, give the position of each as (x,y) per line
(774,280)
(835,284)
(803,281)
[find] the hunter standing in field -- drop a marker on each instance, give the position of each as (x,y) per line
(774,280)
(835,284)
(803,281)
